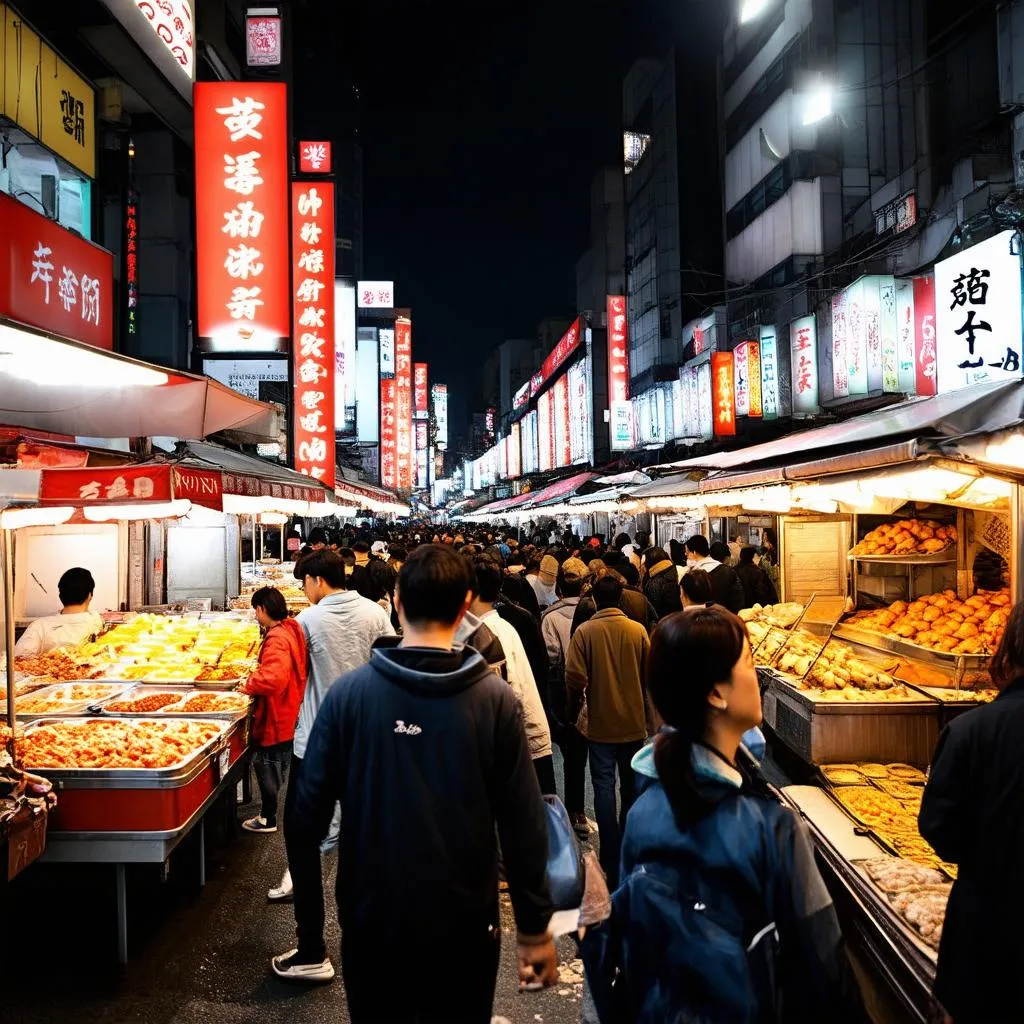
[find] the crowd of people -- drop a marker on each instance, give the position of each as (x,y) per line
(415,706)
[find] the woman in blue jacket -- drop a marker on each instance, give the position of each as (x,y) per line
(722,915)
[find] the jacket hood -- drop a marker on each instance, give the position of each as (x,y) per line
(430,671)
(659,567)
(707,765)
(707,564)
(467,627)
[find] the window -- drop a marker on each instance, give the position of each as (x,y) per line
(798,166)
(634,146)
(768,88)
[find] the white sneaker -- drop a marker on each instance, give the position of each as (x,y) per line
(283,891)
(285,966)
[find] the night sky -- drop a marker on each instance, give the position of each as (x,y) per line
(483,124)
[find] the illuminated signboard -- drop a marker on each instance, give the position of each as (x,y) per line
(376,294)
(803,342)
(315,157)
(724,395)
(403,402)
(769,373)
(165,32)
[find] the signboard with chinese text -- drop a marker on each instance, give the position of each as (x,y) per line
(313,359)
(742,380)
(315,157)
(925,359)
(546,432)
(403,402)
(530,442)
(803,348)
(201,487)
(388,435)
(165,31)
(769,373)
(420,391)
(706,405)
(897,216)
(241,142)
(871,307)
(118,485)
(54,280)
(563,455)
(521,398)
(44,96)
(905,337)
(856,340)
(622,426)
(580,431)
(262,39)
(724,396)
(375,294)
(344,353)
(247,375)
(754,376)
(439,393)
(387,351)
(840,358)
(691,403)
(978,314)
(566,346)
(515,452)
(618,360)
(887,329)
(131,263)
(421,454)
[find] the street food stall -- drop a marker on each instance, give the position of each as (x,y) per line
(900,554)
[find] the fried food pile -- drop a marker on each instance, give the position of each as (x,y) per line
(907,537)
(781,615)
(942,622)
(918,894)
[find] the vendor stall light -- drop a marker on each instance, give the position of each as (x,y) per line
(817,104)
(1007,452)
(988,491)
(273,519)
(16,518)
(41,360)
(128,513)
(751,9)
(767,499)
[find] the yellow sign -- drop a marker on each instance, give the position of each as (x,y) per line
(44,96)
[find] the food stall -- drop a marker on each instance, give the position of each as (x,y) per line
(913,536)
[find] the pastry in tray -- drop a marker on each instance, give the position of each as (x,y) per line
(902,791)
(206,703)
(924,910)
(907,773)
(870,806)
(892,874)
(906,537)
(873,771)
(843,775)
(143,705)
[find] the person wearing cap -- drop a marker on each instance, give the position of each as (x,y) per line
(556,626)
(379,548)
(544,582)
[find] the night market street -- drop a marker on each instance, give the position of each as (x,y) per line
(201,957)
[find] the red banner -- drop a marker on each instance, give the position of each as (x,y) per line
(420,390)
(119,485)
(313,346)
(315,157)
(565,348)
(241,142)
(618,350)
(924,335)
(388,435)
(563,442)
(403,403)
(200,486)
(723,389)
(54,280)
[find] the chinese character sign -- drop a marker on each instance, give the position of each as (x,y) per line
(54,280)
(98,486)
(375,294)
(840,361)
(856,340)
(420,390)
(723,383)
(313,418)
(515,460)
(889,337)
(241,141)
(315,157)
(754,375)
(131,262)
(439,394)
(388,435)
(978,314)
(387,351)
(925,359)
(563,441)
(565,347)
(618,351)
(905,337)
(546,432)
(741,380)
(705,404)
(263,40)
(803,347)
(769,373)
(403,402)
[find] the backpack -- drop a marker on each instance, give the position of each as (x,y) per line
(678,949)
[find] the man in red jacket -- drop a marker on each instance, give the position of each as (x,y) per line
(278,685)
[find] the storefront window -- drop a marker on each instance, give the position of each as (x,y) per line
(34,176)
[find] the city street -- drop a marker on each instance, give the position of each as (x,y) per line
(199,956)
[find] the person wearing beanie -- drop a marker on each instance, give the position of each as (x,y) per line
(544,582)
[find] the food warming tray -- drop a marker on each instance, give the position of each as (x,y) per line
(70,708)
(139,690)
(141,799)
(906,649)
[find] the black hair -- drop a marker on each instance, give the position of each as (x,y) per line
(433,584)
(709,642)
(621,541)
(696,585)
(1007,664)
(317,536)
(489,576)
(398,553)
(652,556)
(607,591)
(698,545)
(348,556)
(677,551)
(630,573)
(643,539)
(361,547)
(615,559)
(272,601)
(569,588)
(76,586)
(720,552)
(747,555)
(380,580)
(325,564)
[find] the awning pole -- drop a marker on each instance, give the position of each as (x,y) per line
(8,549)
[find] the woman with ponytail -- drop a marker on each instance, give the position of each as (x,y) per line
(721,915)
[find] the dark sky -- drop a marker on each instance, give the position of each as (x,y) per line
(482,125)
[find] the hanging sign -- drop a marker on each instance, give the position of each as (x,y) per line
(724,394)
(905,338)
(769,373)
(925,362)
(403,402)
(803,343)
(742,380)
(388,435)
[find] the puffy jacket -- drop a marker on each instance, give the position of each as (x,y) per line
(473,633)
(737,889)
(556,628)
(757,585)
(662,589)
(278,684)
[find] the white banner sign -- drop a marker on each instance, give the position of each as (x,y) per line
(803,347)
(376,294)
(769,373)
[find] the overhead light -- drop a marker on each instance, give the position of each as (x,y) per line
(129,513)
(751,9)
(273,518)
(16,518)
(817,104)
(41,360)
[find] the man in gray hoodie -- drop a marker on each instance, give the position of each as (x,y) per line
(340,627)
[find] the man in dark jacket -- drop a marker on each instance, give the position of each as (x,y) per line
(725,584)
(757,585)
(429,733)
(661,582)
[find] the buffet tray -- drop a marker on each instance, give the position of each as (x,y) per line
(947,556)
(922,702)
(183,691)
(71,708)
(906,649)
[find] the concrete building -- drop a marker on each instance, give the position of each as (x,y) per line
(600,271)
(503,373)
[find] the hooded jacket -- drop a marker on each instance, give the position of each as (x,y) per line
(661,588)
(425,751)
(278,684)
(556,628)
(744,873)
(725,584)
(473,633)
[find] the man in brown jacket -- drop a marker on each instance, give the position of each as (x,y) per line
(606,664)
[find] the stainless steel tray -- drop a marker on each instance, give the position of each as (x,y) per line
(857,707)
(115,778)
(138,690)
(896,645)
(947,556)
(71,708)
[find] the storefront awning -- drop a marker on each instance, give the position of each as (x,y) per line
(372,499)
(59,386)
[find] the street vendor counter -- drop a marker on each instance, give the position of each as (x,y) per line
(871,929)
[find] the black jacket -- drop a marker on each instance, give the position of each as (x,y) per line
(973,814)
(728,589)
(662,589)
(632,602)
(426,753)
(757,587)
(516,587)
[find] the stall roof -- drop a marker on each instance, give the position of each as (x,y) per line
(559,489)
(677,484)
(67,388)
(995,405)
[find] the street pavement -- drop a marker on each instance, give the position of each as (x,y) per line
(199,956)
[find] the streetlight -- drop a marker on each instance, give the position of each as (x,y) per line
(752,9)
(817,104)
